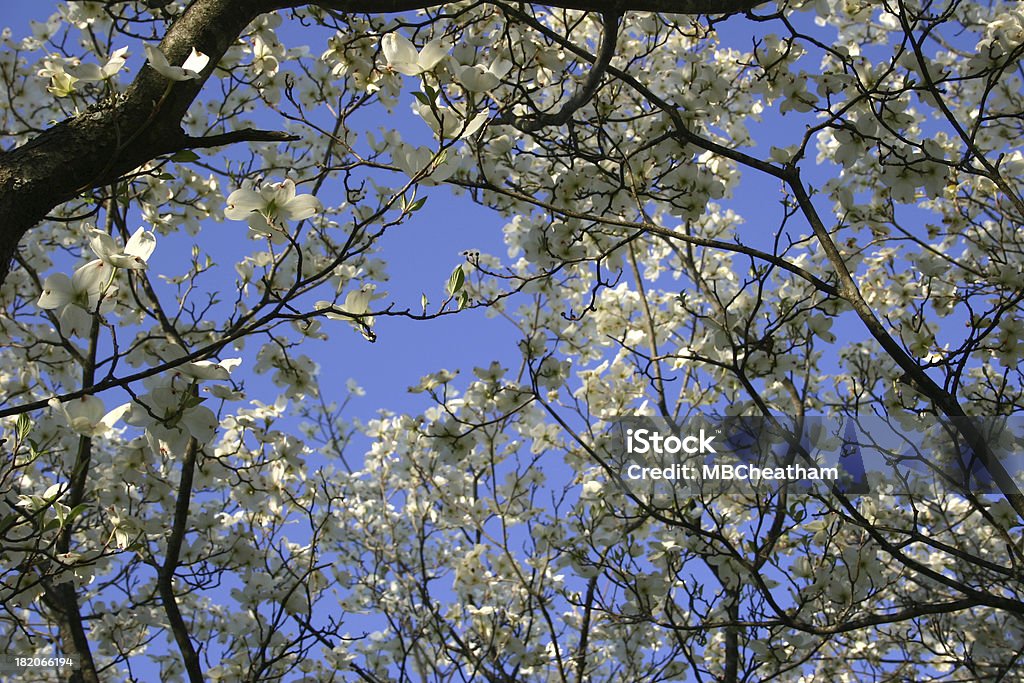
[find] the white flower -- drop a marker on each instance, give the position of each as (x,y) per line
(50,496)
(358,302)
(476,78)
(268,208)
(450,123)
(190,70)
(355,309)
(402,56)
(263,57)
(171,413)
(95,72)
(416,160)
(208,369)
(83,289)
(62,83)
(136,252)
(76,298)
(85,415)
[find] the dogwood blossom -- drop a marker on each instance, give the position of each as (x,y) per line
(402,56)
(208,369)
(191,69)
(95,72)
(355,309)
(417,160)
(62,83)
(269,208)
(476,78)
(450,123)
(171,412)
(627,279)
(85,415)
(133,256)
(77,297)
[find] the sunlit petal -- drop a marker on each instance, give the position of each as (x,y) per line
(57,291)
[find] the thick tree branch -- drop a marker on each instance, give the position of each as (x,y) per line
(116,136)
(243,135)
(610,33)
(110,139)
(603,6)
(165,574)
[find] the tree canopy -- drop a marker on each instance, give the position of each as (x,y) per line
(798,212)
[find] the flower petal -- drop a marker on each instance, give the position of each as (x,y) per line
(114,415)
(158,61)
(115,63)
(300,208)
(75,321)
(358,302)
(141,244)
(90,280)
(284,191)
(195,63)
(57,292)
(243,202)
(500,67)
(474,125)
(102,244)
(86,72)
(476,79)
(399,50)
(432,53)
(84,410)
(206,369)
(201,423)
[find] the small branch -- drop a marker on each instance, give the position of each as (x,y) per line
(914,373)
(243,135)
(609,37)
(581,650)
(165,574)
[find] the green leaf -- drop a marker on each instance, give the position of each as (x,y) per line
(75,512)
(456,280)
(418,204)
(423,302)
(23,428)
(190,401)
(463,300)
(8,521)
(185,156)
(424,100)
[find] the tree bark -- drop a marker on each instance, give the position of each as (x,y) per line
(113,137)
(119,135)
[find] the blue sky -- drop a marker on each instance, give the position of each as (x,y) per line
(421,254)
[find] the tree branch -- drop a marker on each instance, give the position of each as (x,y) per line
(165,574)
(603,6)
(243,135)
(610,34)
(129,130)
(145,122)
